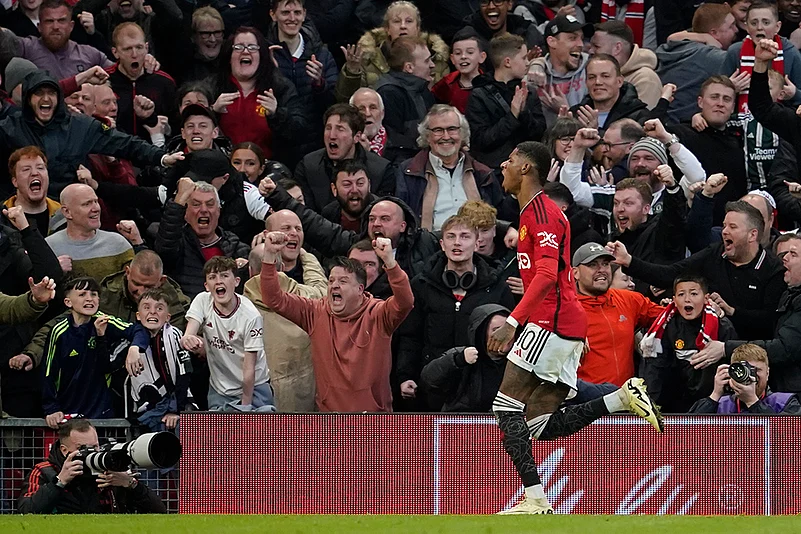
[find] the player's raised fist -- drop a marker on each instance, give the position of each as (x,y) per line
(383,249)
(766,50)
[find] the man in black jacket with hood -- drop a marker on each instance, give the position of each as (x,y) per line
(61,484)
(467,378)
(68,139)
(454,282)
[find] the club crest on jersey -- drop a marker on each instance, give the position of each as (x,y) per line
(548,239)
(523,233)
(523,261)
(679,344)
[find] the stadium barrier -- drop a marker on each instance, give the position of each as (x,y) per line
(26,442)
(452,464)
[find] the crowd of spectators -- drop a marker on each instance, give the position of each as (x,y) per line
(298,205)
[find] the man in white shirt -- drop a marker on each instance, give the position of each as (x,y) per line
(443,175)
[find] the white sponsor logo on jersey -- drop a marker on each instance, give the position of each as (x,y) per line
(548,239)
(523,261)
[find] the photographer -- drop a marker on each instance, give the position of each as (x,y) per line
(747,378)
(63,485)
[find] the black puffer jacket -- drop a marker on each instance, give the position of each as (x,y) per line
(40,495)
(628,106)
(495,132)
(68,139)
(180,250)
(414,248)
(439,321)
(459,386)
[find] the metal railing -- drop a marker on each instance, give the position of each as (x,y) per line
(26,442)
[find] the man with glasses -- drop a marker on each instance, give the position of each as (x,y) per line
(443,175)
(141,96)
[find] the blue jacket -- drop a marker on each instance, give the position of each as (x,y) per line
(78,363)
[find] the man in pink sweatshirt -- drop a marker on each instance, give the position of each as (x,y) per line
(350,330)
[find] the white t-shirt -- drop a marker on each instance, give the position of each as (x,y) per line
(226,338)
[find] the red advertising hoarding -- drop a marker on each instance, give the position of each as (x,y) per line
(441,464)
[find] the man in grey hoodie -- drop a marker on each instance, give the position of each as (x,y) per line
(688,62)
(561,76)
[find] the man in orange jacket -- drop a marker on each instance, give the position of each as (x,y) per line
(613,316)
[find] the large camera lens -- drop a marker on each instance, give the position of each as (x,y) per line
(741,372)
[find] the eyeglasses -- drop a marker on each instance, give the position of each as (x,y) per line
(610,145)
(566,140)
(495,2)
(450,129)
(250,47)
(206,35)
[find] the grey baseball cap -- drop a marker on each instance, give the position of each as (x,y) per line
(589,252)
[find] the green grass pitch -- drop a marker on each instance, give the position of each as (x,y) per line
(573,524)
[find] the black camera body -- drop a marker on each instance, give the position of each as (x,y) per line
(156,450)
(743,372)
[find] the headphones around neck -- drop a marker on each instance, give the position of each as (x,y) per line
(454,280)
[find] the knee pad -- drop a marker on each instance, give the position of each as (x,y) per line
(505,403)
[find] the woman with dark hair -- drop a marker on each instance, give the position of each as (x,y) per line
(248,159)
(559,137)
(254,100)
(194,93)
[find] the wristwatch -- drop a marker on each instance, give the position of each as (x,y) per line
(674,139)
(60,484)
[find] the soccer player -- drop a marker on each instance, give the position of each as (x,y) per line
(544,359)
(231,327)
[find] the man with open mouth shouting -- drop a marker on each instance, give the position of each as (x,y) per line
(350,330)
(141,96)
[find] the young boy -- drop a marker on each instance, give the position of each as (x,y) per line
(159,377)
(467,54)
(502,110)
(762,22)
(232,339)
(674,338)
(83,349)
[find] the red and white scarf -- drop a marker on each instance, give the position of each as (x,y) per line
(378,143)
(651,344)
(747,65)
(634,17)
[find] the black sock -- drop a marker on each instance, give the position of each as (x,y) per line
(517,443)
(571,419)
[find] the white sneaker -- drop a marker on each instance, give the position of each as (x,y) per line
(529,506)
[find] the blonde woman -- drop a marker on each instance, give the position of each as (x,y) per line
(367,60)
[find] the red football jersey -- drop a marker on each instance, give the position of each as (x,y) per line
(545,233)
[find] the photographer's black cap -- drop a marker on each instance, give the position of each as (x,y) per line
(208,164)
(563,23)
(197,109)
